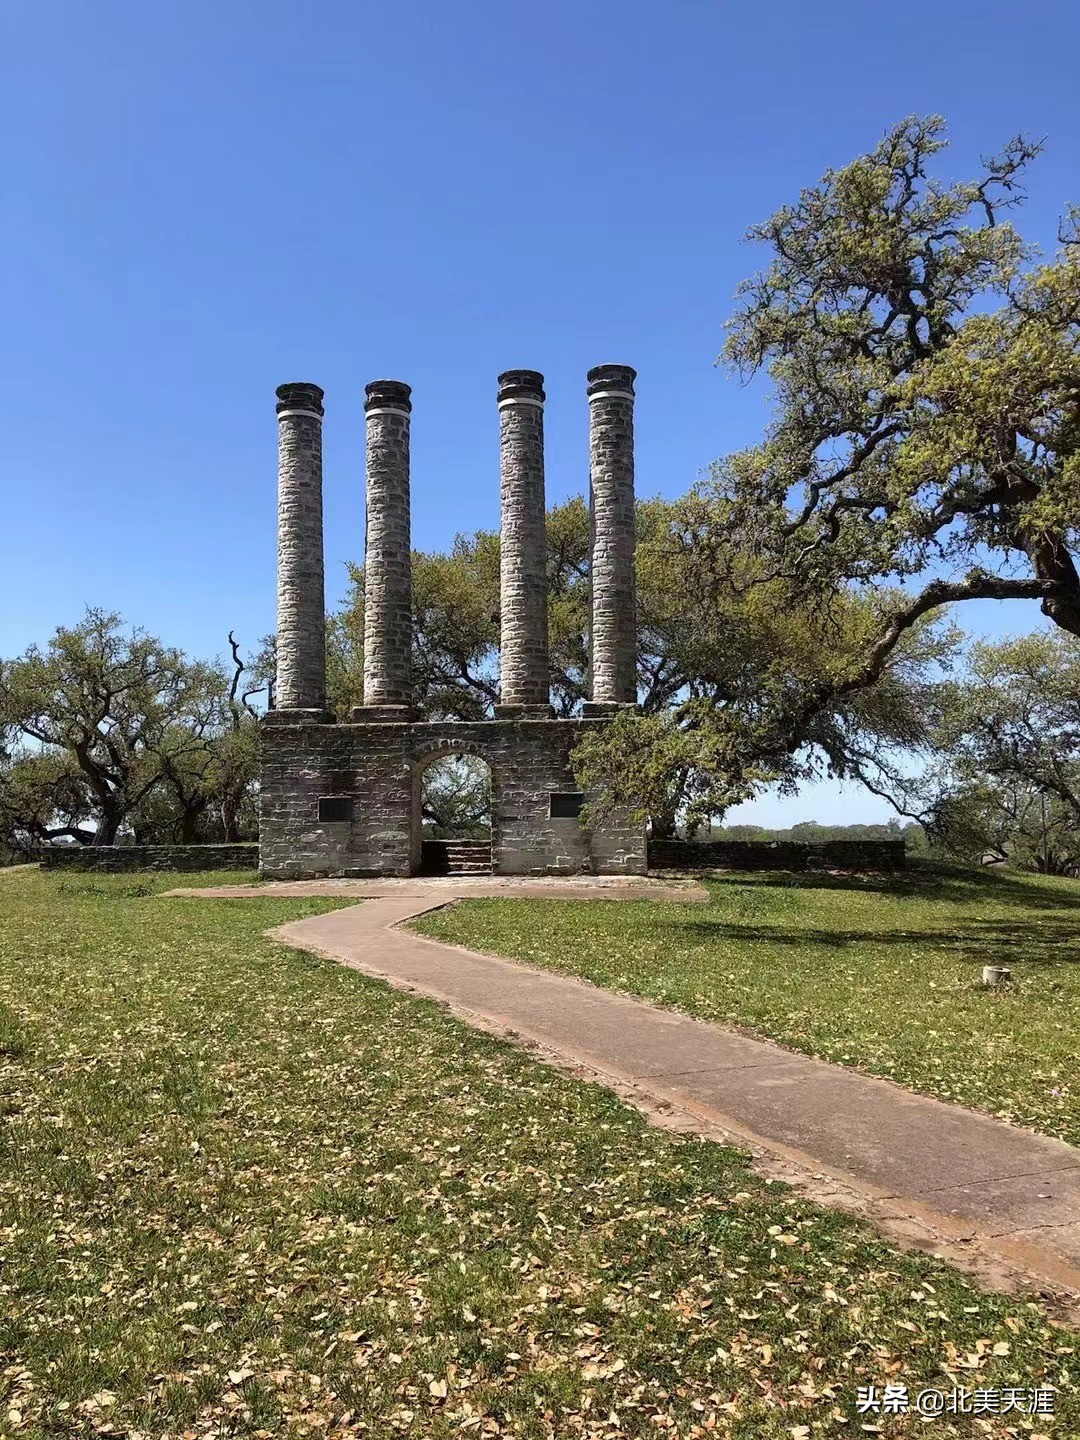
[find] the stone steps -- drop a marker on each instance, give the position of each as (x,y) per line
(456,857)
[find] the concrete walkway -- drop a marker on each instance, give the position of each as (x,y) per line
(963,1184)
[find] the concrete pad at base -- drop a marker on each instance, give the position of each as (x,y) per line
(445,889)
(967,1176)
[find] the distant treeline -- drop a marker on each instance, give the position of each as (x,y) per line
(809,832)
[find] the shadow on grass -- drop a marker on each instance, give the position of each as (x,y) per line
(1013,943)
(921,881)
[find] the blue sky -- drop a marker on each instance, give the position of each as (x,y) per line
(204,200)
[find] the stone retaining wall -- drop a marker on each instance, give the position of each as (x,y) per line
(244,856)
(776,855)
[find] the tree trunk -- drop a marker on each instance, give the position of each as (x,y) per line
(230,808)
(107,826)
(189,822)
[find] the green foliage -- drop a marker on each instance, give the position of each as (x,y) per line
(1007,776)
(245,1190)
(811,832)
(716,655)
(456,633)
(926,375)
(110,731)
(924,450)
(455,657)
(755,704)
(43,795)
(456,798)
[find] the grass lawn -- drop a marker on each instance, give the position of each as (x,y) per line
(880,974)
(246,1192)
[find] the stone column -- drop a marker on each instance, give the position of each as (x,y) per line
(301,625)
(611,486)
(388,556)
(523,664)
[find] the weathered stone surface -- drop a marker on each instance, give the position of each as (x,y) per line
(611,486)
(388,553)
(241,856)
(380,767)
(375,763)
(301,634)
(777,855)
(523,664)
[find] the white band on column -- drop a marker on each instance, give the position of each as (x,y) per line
(611,395)
(520,400)
(387,410)
(311,414)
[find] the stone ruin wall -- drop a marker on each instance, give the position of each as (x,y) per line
(344,798)
(529,760)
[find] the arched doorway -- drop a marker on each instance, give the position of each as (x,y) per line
(452,810)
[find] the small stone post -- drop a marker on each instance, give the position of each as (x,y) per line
(611,486)
(301,634)
(523,665)
(388,556)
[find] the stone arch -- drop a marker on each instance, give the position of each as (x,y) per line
(421,762)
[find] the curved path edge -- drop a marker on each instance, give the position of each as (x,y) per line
(999,1200)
